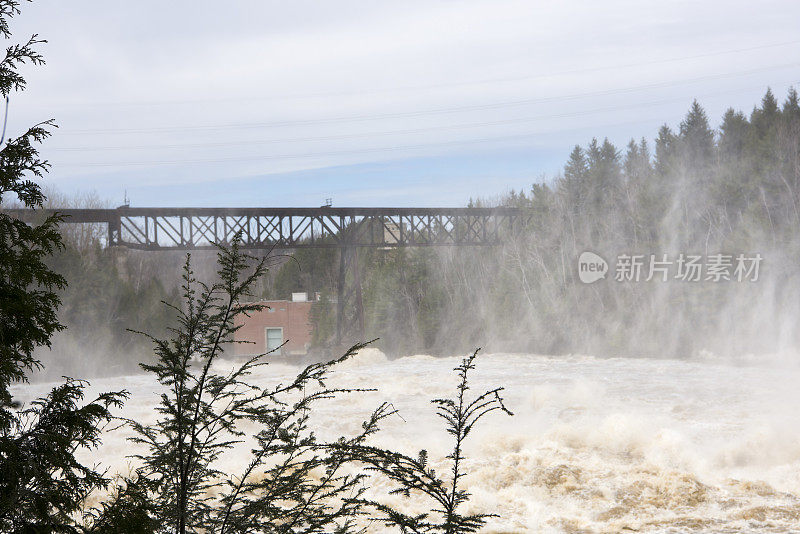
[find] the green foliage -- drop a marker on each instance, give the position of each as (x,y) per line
(308,270)
(28,298)
(414,476)
(323,319)
(397,291)
(694,190)
(291,482)
(735,190)
(108,291)
(128,510)
(42,484)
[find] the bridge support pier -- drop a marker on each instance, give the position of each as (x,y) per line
(349,304)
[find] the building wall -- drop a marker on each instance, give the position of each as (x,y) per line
(293,317)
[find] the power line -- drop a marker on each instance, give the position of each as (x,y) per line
(434,111)
(449,127)
(273,157)
(311,154)
(454,84)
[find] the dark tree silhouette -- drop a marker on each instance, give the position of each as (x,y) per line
(42,485)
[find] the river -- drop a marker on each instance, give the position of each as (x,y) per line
(595,445)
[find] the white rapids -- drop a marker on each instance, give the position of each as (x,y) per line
(595,445)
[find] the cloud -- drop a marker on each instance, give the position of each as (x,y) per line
(182,92)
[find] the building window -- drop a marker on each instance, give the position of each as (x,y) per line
(274,339)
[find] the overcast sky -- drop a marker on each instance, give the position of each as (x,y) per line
(376,103)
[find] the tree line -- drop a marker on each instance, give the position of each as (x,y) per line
(695,190)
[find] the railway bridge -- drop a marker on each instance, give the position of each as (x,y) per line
(346,229)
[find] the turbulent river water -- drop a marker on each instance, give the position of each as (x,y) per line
(595,445)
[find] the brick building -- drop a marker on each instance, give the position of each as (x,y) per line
(283,321)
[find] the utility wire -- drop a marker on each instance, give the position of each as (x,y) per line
(446,85)
(421,113)
(449,127)
(273,157)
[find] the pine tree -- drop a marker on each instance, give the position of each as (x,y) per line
(788,141)
(291,482)
(733,133)
(733,184)
(697,142)
(765,121)
(638,188)
(791,107)
(574,182)
(769,106)
(637,166)
(605,186)
(28,288)
(414,475)
(610,174)
(42,484)
(665,151)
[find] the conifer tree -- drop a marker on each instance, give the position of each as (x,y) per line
(697,142)
(609,171)
(768,112)
(42,484)
(732,187)
(413,475)
(574,182)
(665,151)
(290,482)
(733,133)
(791,106)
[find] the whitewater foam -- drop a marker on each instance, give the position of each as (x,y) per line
(596,445)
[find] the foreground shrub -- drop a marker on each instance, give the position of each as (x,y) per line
(414,476)
(290,481)
(42,484)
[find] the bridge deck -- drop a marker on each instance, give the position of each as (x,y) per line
(325,227)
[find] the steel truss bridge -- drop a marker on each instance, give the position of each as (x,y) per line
(347,229)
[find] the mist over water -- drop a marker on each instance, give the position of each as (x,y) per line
(658,406)
(640,404)
(595,445)
(693,190)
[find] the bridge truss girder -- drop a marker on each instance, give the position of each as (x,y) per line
(293,228)
(194,228)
